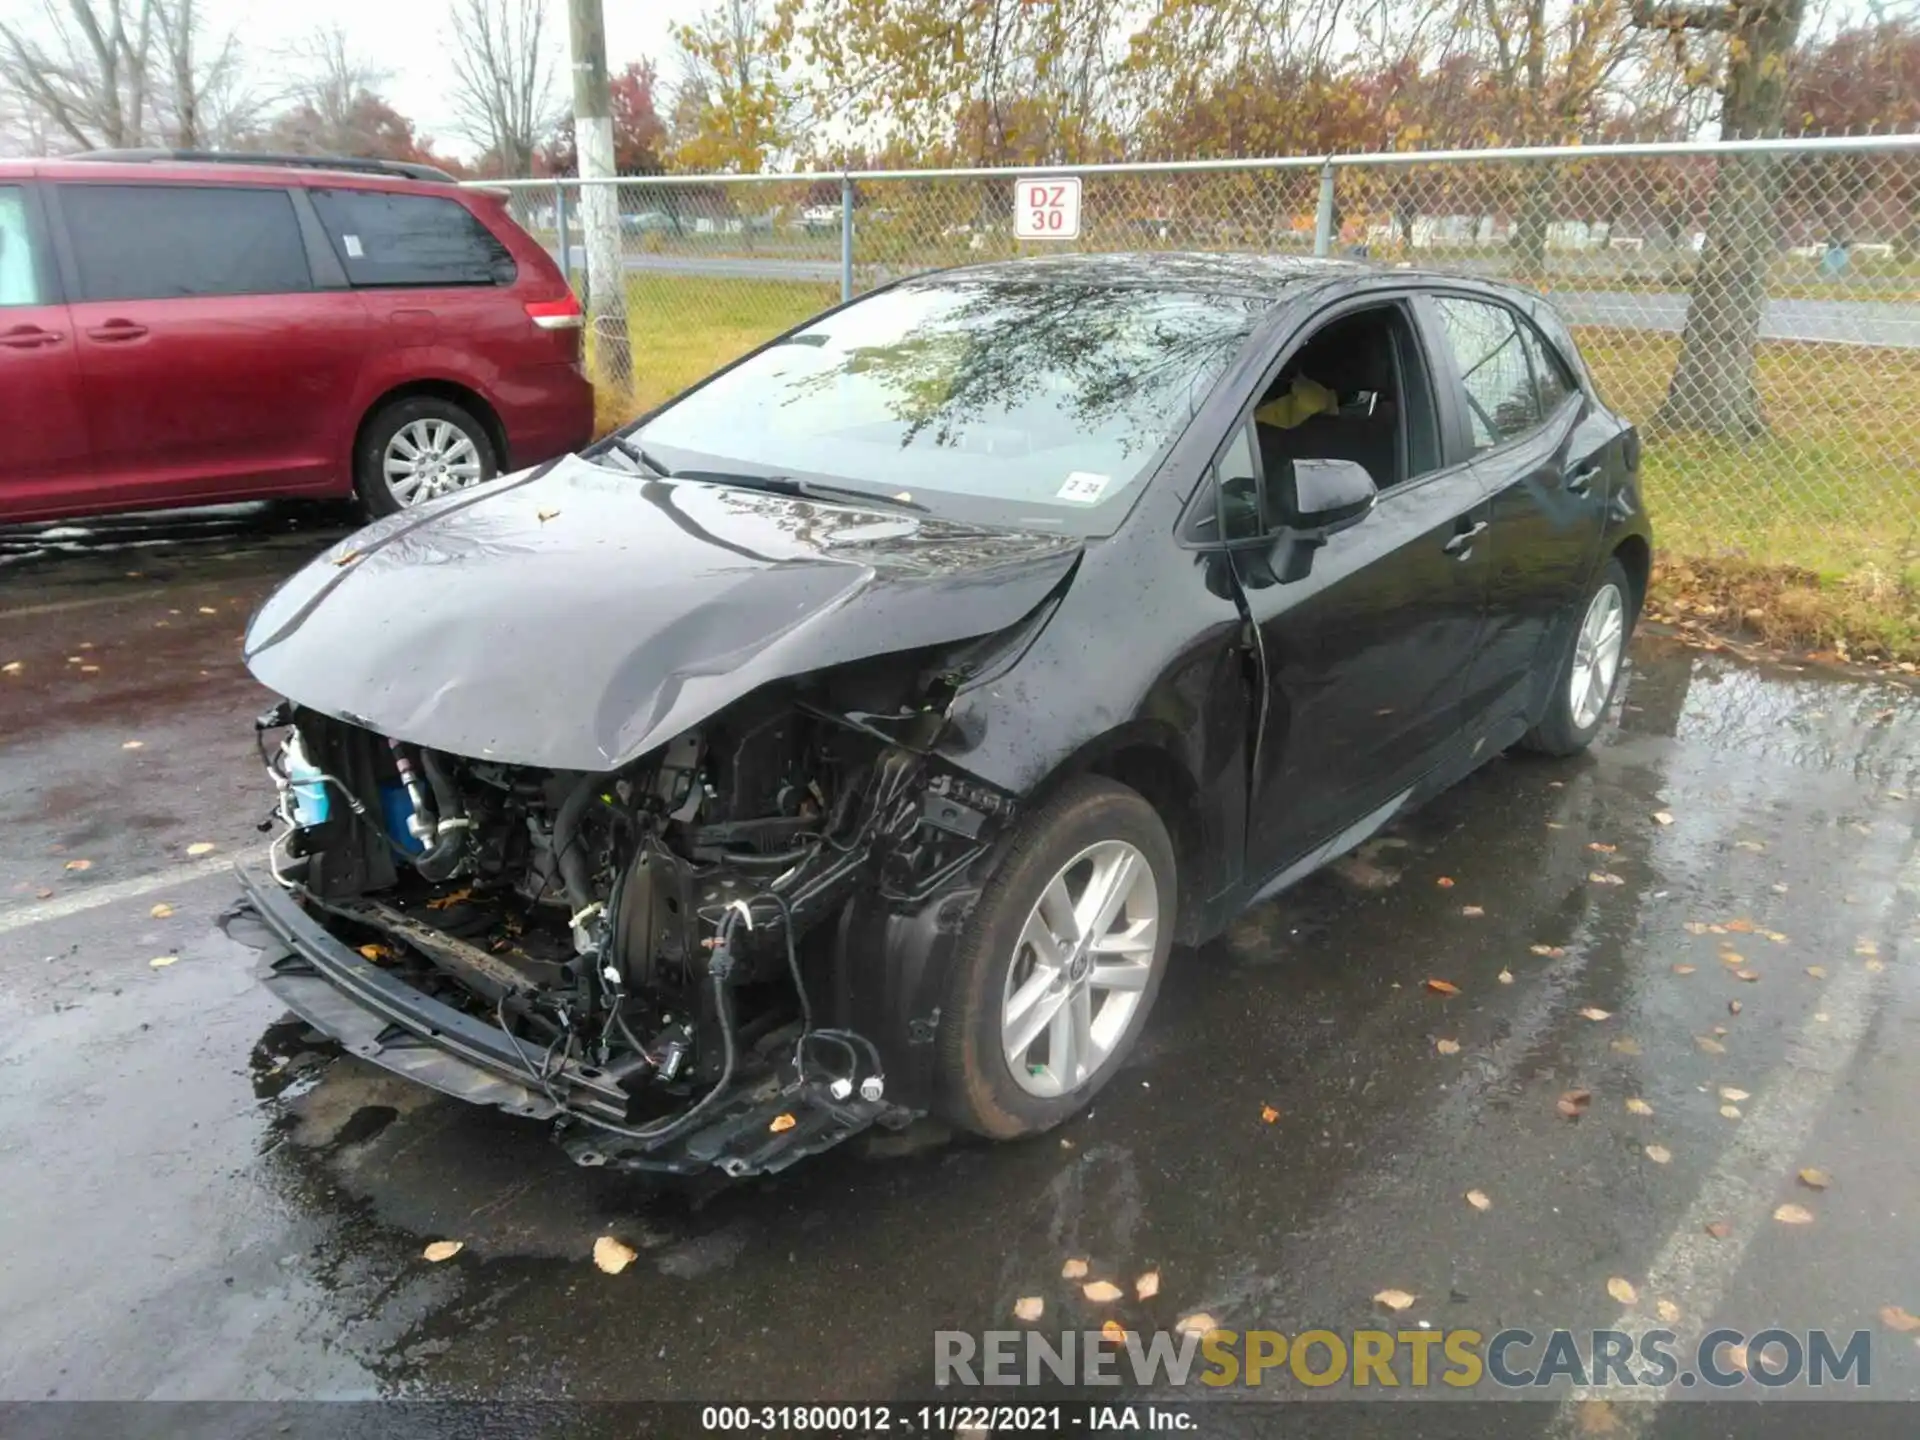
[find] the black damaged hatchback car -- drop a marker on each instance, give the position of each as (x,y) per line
(854,736)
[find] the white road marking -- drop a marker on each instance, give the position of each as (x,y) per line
(1692,1268)
(20,917)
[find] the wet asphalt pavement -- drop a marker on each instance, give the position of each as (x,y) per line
(197,1203)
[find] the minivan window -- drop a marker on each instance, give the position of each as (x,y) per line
(19,281)
(164,242)
(385,238)
(1493,369)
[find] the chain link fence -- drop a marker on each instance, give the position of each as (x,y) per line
(1754,308)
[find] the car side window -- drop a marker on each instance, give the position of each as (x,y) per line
(1551,382)
(19,276)
(1494,373)
(1238,478)
(385,238)
(163,242)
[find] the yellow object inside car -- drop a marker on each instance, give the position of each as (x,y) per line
(1304,399)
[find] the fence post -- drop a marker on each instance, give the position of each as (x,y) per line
(846,238)
(1323,216)
(560,227)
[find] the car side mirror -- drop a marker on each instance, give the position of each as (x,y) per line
(1318,498)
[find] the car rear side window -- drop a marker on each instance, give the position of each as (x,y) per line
(19,276)
(384,238)
(164,242)
(1550,379)
(1492,361)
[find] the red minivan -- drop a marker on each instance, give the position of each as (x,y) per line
(188,329)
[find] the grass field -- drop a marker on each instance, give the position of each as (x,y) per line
(1812,532)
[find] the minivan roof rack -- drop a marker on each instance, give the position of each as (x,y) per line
(405,169)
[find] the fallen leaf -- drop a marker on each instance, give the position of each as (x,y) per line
(1695,927)
(1622,1290)
(1505,977)
(1733,1007)
(1553,951)
(1443,987)
(1478,1200)
(1596,1014)
(1659,1154)
(545,515)
(1729,1093)
(1447,1047)
(1776,937)
(1268,1114)
(1732,957)
(348,558)
(1574,1103)
(79,864)
(12,667)
(1683,969)
(1747,975)
(1198,1323)
(1625,1045)
(89,669)
(1730,1112)
(1815,1179)
(1597,1418)
(1603,849)
(1741,926)
(1874,965)
(1114,1333)
(1737,1357)
(200,847)
(1600,877)
(160,962)
(1147,1286)
(1866,947)
(782,1122)
(161,911)
(1445,882)
(1073,1270)
(1472,911)
(134,745)
(1719,1229)
(1101,1292)
(1754,845)
(1710,1045)
(1818,972)
(1029,1307)
(442,1250)
(612,1256)
(208,610)
(1894,1318)
(1637,1106)
(1667,1311)
(1395,1300)
(1662,817)
(43,894)
(1791,1214)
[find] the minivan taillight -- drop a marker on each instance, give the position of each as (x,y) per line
(556,314)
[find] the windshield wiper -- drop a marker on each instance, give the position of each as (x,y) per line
(803,489)
(639,457)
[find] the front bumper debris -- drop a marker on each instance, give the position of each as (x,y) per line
(381,1018)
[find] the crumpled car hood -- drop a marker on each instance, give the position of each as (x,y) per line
(576,617)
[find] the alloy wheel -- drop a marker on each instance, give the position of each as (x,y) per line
(1596,655)
(429,457)
(1079,969)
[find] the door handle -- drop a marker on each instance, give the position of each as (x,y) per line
(29,337)
(117,330)
(1462,543)
(1581,480)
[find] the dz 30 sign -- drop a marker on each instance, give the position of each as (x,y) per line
(1047,208)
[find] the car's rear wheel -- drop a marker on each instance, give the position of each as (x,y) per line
(1590,668)
(1060,962)
(419,448)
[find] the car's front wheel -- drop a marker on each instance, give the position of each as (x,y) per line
(418,448)
(1060,962)
(1590,668)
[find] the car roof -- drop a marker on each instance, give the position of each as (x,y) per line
(168,171)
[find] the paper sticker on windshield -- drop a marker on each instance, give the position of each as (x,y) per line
(352,242)
(1083,487)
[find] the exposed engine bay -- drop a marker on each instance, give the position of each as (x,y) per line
(684,956)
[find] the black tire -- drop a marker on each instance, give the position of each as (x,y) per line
(1559,730)
(975,1086)
(369,477)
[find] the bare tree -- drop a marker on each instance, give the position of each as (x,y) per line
(503,79)
(329,85)
(203,98)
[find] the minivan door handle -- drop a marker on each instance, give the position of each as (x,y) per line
(1580,481)
(115,330)
(28,337)
(1462,543)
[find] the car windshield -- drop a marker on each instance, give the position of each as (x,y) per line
(1025,399)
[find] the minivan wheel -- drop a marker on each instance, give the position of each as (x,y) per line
(1060,962)
(416,449)
(1584,684)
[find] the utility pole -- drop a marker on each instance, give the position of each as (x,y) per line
(599,203)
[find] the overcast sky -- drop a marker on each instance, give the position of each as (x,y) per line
(408,38)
